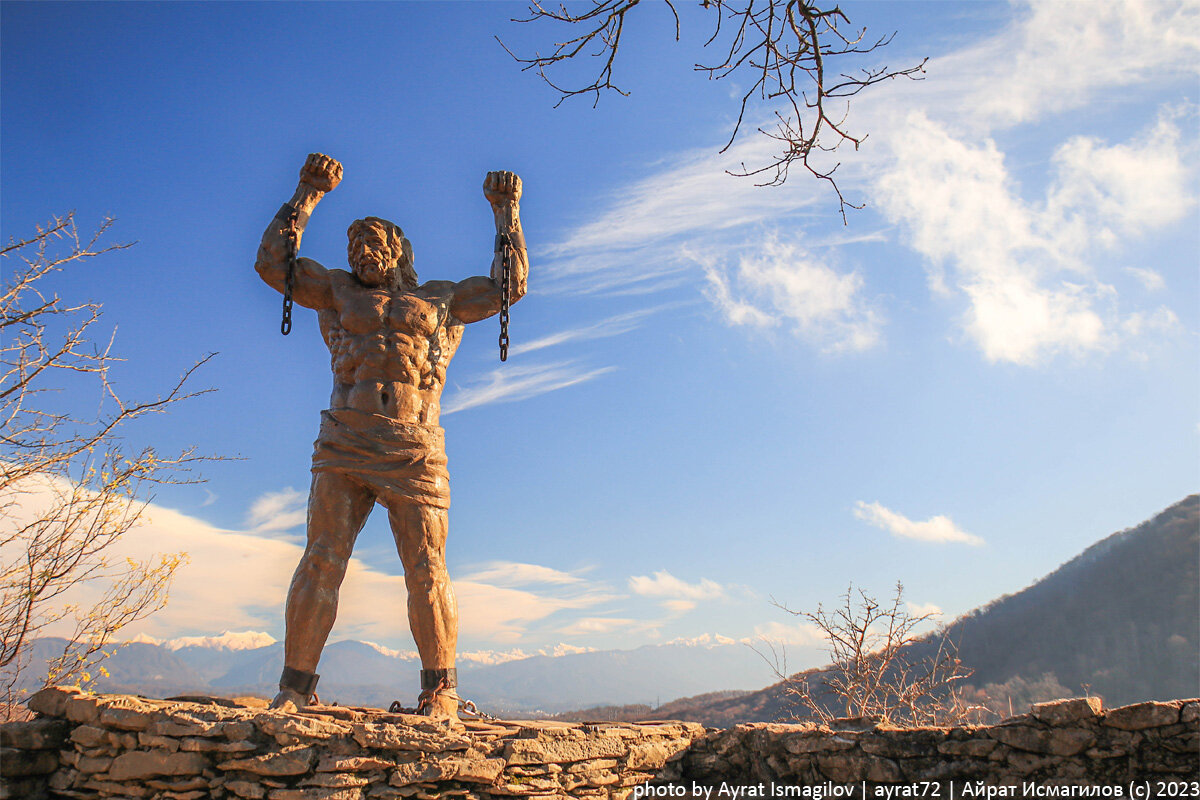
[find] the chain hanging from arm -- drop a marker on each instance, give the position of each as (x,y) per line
(290,235)
(504,245)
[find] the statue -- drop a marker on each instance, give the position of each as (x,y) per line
(390,341)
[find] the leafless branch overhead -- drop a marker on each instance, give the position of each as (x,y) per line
(790,51)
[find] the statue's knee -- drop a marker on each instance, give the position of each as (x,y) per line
(325,563)
(425,576)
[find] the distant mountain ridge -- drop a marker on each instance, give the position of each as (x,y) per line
(363,673)
(1122,618)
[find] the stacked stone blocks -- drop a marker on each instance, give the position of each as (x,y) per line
(106,746)
(1065,742)
(111,747)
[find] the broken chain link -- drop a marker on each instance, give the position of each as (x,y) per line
(504,241)
(290,236)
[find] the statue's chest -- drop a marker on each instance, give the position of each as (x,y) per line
(371,311)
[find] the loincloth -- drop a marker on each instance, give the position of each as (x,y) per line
(393,459)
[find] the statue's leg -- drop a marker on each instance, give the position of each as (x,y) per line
(337,510)
(420,533)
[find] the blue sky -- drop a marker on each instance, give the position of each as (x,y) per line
(718,394)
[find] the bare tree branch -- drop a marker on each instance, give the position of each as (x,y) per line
(68,490)
(783,47)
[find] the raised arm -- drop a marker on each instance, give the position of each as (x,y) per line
(310,282)
(479,298)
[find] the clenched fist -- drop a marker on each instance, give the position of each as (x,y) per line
(321,172)
(502,188)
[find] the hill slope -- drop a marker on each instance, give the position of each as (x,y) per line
(1122,617)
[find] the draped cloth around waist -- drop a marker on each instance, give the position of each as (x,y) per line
(394,459)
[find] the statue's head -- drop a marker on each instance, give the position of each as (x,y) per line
(380,255)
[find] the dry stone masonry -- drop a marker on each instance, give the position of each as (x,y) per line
(1062,743)
(114,746)
(104,747)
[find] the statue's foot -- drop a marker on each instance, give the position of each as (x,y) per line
(441,704)
(289,700)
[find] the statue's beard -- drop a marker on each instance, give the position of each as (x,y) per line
(371,266)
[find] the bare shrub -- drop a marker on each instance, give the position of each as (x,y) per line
(68,490)
(881,667)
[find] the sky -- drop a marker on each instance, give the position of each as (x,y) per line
(720,397)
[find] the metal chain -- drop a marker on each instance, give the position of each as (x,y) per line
(505,280)
(285,327)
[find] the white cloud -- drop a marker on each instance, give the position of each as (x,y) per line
(613,326)
(591,626)
(278,511)
(921,609)
(1125,188)
(666,585)
(935,529)
(1160,322)
(1061,55)
(241,580)
(513,383)
(804,634)
(512,573)
(1152,280)
(782,283)
(1022,266)
(692,194)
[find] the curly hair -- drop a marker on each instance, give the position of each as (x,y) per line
(399,249)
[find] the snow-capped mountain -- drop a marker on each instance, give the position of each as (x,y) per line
(227,640)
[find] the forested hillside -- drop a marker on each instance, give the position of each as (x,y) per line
(1121,620)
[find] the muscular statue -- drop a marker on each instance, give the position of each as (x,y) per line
(390,341)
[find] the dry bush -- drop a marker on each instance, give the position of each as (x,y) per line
(881,667)
(68,490)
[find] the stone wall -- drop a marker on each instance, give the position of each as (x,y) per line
(1065,742)
(111,746)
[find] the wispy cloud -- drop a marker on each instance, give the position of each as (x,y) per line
(781,283)
(513,383)
(938,529)
(1151,280)
(1087,48)
(676,595)
(612,326)
(513,573)
(592,626)
(692,194)
(1026,266)
(278,511)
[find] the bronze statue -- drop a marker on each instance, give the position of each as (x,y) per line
(390,341)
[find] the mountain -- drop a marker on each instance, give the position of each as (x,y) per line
(154,670)
(227,640)
(362,673)
(645,675)
(1123,617)
(1120,620)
